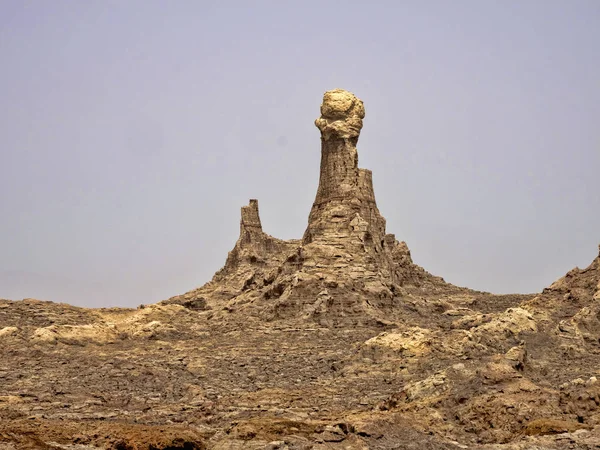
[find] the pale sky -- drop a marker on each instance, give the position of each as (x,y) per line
(131,133)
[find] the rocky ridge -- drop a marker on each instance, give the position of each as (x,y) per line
(333,341)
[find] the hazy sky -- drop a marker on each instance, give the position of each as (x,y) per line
(131,133)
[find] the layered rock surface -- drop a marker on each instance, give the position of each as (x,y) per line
(345,266)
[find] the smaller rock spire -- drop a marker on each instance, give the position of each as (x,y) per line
(250,226)
(250,217)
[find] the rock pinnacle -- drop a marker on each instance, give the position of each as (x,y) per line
(346,267)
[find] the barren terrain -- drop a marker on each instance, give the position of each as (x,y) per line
(333,341)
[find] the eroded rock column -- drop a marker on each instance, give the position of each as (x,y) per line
(250,225)
(345,203)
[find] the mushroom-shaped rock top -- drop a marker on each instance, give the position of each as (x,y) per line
(341,115)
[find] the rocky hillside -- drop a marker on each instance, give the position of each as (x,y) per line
(336,340)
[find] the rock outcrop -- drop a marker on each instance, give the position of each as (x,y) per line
(346,263)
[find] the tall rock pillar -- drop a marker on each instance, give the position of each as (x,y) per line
(345,205)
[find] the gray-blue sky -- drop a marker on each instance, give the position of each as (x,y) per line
(132,132)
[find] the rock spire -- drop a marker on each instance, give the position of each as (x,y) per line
(345,193)
(346,265)
(344,217)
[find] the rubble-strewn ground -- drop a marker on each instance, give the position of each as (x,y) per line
(463,371)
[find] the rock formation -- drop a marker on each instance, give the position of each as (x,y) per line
(345,228)
(346,264)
